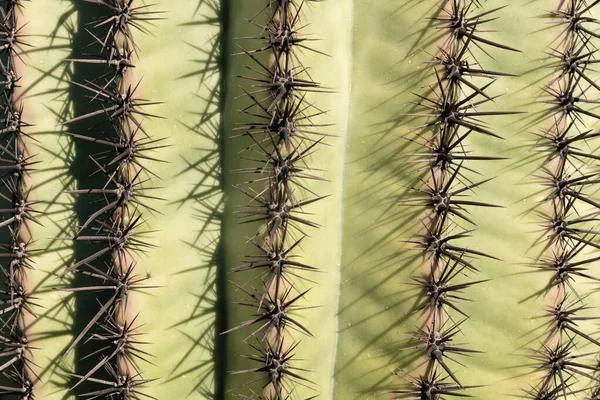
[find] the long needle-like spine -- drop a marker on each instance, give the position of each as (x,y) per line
(122,149)
(281,136)
(452,114)
(571,212)
(17,214)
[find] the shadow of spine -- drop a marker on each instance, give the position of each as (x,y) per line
(452,115)
(86,304)
(569,178)
(111,146)
(207,197)
(17,214)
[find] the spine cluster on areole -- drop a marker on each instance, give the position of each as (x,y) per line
(570,179)
(281,137)
(121,148)
(452,109)
(17,214)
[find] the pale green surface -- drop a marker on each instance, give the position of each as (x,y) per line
(375,299)
(183,360)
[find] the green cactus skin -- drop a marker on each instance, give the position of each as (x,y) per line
(377,60)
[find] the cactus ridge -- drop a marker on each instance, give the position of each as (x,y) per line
(454,111)
(18,213)
(569,245)
(122,147)
(282,138)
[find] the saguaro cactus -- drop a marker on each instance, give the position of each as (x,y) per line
(299,199)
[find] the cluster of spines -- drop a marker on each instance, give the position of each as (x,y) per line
(116,129)
(281,137)
(453,115)
(18,212)
(569,236)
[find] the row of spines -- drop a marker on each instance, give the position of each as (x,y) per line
(18,214)
(452,108)
(570,246)
(282,137)
(121,149)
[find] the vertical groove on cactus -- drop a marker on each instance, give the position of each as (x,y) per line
(281,137)
(570,210)
(207,194)
(452,109)
(18,213)
(113,233)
